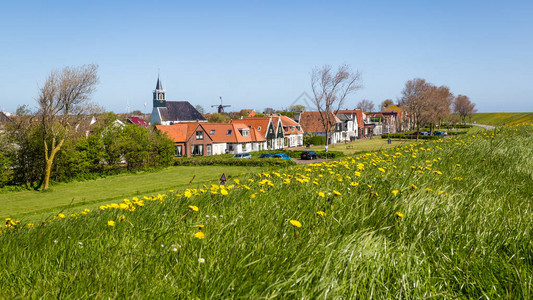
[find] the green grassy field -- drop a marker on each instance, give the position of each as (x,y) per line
(498,119)
(440,219)
(34,205)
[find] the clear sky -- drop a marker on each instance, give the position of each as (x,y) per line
(258,54)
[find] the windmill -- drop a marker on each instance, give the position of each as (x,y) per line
(220,106)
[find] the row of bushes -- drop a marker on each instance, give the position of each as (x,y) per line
(222,161)
(409,136)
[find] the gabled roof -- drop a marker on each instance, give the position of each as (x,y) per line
(180,111)
(287,123)
(176,132)
(311,121)
(259,123)
(138,121)
(358,113)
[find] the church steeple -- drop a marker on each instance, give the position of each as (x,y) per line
(160,99)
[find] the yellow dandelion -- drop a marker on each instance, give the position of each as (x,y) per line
(354,183)
(296,223)
(321,194)
(111,223)
(399,214)
(252,196)
(199,235)
(193,207)
(321,213)
(200,226)
(121,218)
(381,170)
(414,187)
(224,192)
(337,193)
(395,192)
(61,216)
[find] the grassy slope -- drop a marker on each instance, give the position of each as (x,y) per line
(467,233)
(94,192)
(503,118)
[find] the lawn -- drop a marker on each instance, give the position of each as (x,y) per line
(34,204)
(498,119)
(449,218)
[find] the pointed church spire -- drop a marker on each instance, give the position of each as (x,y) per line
(158,86)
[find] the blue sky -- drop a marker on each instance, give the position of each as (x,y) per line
(258,54)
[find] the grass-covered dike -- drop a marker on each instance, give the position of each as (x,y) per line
(446,219)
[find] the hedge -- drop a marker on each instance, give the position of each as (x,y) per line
(214,160)
(410,137)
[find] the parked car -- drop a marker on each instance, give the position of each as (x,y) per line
(425,132)
(308,155)
(242,155)
(266,155)
(281,156)
(440,133)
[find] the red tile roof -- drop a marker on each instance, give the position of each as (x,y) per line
(359,115)
(287,123)
(176,132)
(311,121)
(259,123)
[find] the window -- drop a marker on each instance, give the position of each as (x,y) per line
(229,132)
(292,128)
(197,150)
(259,128)
(199,135)
(179,151)
(212,132)
(245,132)
(208,149)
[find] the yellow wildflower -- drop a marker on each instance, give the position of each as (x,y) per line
(382,170)
(224,192)
(121,218)
(336,193)
(321,194)
(321,213)
(200,226)
(395,192)
(399,214)
(111,223)
(199,235)
(414,187)
(193,207)
(354,183)
(295,223)
(61,216)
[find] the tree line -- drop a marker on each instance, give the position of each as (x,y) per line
(58,142)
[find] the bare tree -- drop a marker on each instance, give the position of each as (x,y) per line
(365,105)
(269,110)
(63,102)
(415,97)
(386,103)
(436,102)
(330,90)
(463,107)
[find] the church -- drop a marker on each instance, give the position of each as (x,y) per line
(171,112)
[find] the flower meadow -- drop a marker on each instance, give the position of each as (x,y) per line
(449,218)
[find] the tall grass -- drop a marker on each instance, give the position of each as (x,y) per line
(446,219)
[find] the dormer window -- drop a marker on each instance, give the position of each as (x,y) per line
(245,132)
(212,132)
(292,128)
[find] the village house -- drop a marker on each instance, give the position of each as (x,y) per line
(354,122)
(269,128)
(312,125)
(170,112)
(292,131)
(205,139)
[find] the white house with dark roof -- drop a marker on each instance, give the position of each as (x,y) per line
(170,112)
